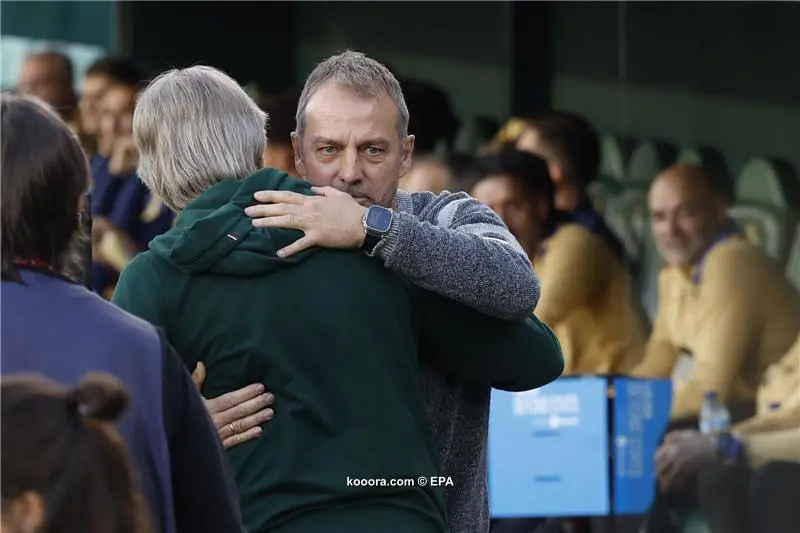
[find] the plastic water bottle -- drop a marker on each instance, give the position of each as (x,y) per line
(714,416)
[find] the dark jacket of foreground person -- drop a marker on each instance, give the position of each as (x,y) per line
(336,337)
(56,328)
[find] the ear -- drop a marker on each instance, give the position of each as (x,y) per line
(297,148)
(25,514)
(406,156)
(556,172)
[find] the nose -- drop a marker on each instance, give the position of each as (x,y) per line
(349,166)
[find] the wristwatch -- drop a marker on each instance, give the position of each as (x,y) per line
(377,221)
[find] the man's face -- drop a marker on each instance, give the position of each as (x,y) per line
(505,196)
(47,80)
(684,218)
(351,143)
(94,88)
(116,114)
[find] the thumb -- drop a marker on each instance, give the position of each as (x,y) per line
(199,375)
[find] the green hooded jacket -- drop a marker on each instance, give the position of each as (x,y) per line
(337,338)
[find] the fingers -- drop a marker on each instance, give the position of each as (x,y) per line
(275,197)
(240,438)
(236,414)
(326,191)
(232,399)
(199,375)
(291,221)
(270,210)
(297,246)
(243,425)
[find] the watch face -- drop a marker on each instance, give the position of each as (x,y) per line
(379,219)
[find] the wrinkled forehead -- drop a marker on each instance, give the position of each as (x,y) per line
(338,112)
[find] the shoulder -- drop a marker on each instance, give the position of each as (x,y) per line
(122,325)
(574,239)
(735,257)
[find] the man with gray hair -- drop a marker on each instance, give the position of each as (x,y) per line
(352,142)
(334,332)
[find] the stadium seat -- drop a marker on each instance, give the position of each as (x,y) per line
(770,182)
(708,158)
(648,159)
(771,228)
(626,214)
(603,191)
(793,262)
(615,153)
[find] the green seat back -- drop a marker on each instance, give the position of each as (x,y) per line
(648,159)
(603,191)
(793,262)
(615,152)
(768,227)
(769,182)
(626,214)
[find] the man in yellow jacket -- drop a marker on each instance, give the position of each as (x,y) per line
(726,311)
(749,478)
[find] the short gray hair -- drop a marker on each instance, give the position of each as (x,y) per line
(364,75)
(193,128)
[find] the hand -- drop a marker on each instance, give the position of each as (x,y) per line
(681,455)
(237,415)
(124,156)
(332,219)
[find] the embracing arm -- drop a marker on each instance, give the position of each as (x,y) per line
(457,247)
(504,354)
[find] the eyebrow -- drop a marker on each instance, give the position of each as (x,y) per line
(378,141)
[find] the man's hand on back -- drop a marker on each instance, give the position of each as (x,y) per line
(332,219)
(237,415)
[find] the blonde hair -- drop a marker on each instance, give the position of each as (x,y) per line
(193,128)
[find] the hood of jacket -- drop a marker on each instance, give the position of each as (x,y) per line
(214,235)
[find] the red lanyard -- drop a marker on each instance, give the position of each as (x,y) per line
(37,264)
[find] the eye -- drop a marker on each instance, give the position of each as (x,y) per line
(327,150)
(373,151)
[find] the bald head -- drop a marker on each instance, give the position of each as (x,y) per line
(48,76)
(687,210)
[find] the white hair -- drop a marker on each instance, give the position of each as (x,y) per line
(364,75)
(193,128)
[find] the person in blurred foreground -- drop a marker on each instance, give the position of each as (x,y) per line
(352,142)
(55,327)
(333,334)
(65,468)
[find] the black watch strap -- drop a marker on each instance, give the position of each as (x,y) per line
(370,242)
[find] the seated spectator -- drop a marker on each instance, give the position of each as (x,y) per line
(280,109)
(571,147)
(749,477)
(437,174)
(126,216)
(64,466)
(725,312)
(587,296)
(101,75)
(48,76)
(339,353)
(56,328)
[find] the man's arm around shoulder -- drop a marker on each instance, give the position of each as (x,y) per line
(203,491)
(457,247)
